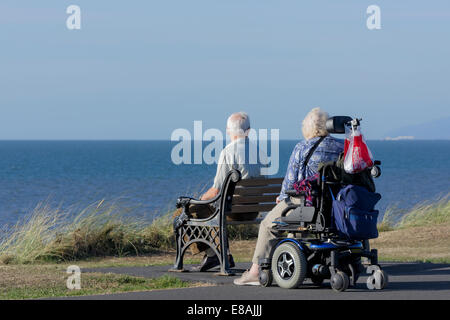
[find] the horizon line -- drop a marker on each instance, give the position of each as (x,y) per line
(168,140)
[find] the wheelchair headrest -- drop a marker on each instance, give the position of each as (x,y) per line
(337,124)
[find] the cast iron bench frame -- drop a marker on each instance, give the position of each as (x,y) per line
(237,196)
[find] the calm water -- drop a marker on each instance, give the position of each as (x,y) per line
(141,175)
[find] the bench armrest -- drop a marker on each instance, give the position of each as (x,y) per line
(186,201)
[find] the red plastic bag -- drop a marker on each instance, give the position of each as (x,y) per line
(357,156)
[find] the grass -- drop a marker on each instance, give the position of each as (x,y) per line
(46,281)
(101,229)
(427,213)
(415,244)
(421,234)
(101,236)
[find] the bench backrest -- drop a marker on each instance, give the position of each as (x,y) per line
(255,195)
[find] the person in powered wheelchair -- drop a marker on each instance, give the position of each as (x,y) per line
(314,247)
(325,148)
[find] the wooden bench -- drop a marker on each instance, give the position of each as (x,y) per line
(243,200)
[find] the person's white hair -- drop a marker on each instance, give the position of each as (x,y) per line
(238,124)
(314,124)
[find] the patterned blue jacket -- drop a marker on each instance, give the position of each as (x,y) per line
(328,150)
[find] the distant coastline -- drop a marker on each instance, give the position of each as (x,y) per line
(399,138)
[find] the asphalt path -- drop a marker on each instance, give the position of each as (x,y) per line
(406,281)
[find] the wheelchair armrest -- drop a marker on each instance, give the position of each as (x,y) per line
(289,208)
(300,214)
(294,193)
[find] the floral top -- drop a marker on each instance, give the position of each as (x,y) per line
(328,150)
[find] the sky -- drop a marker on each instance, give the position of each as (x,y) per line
(141,69)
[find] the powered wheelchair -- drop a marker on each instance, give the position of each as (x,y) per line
(310,246)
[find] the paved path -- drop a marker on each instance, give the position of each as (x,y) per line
(407,281)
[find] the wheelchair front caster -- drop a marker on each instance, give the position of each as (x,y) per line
(265,278)
(378,280)
(340,281)
(288,265)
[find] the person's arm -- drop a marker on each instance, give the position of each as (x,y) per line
(291,173)
(211,193)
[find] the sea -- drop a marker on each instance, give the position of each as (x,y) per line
(141,177)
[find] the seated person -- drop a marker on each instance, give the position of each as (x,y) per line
(234,156)
(313,127)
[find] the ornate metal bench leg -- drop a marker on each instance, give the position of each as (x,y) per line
(225,268)
(225,265)
(178,266)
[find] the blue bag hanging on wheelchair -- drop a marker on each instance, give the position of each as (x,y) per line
(353,213)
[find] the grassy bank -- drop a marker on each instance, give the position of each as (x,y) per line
(101,229)
(421,234)
(35,253)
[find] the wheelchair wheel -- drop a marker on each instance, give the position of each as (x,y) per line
(339,281)
(265,278)
(288,265)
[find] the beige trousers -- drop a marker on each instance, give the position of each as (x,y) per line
(266,233)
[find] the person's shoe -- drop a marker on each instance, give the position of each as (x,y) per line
(247,280)
(207,263)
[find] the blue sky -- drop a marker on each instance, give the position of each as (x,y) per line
(140,69)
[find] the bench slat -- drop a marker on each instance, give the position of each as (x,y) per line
(251,208)
(256,221)
(254,199)
(247,191)
(259,182)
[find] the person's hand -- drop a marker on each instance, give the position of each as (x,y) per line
(278,200)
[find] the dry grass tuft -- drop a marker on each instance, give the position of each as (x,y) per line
(99,230)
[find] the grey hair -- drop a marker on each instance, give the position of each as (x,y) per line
(314,124)
(238,123)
